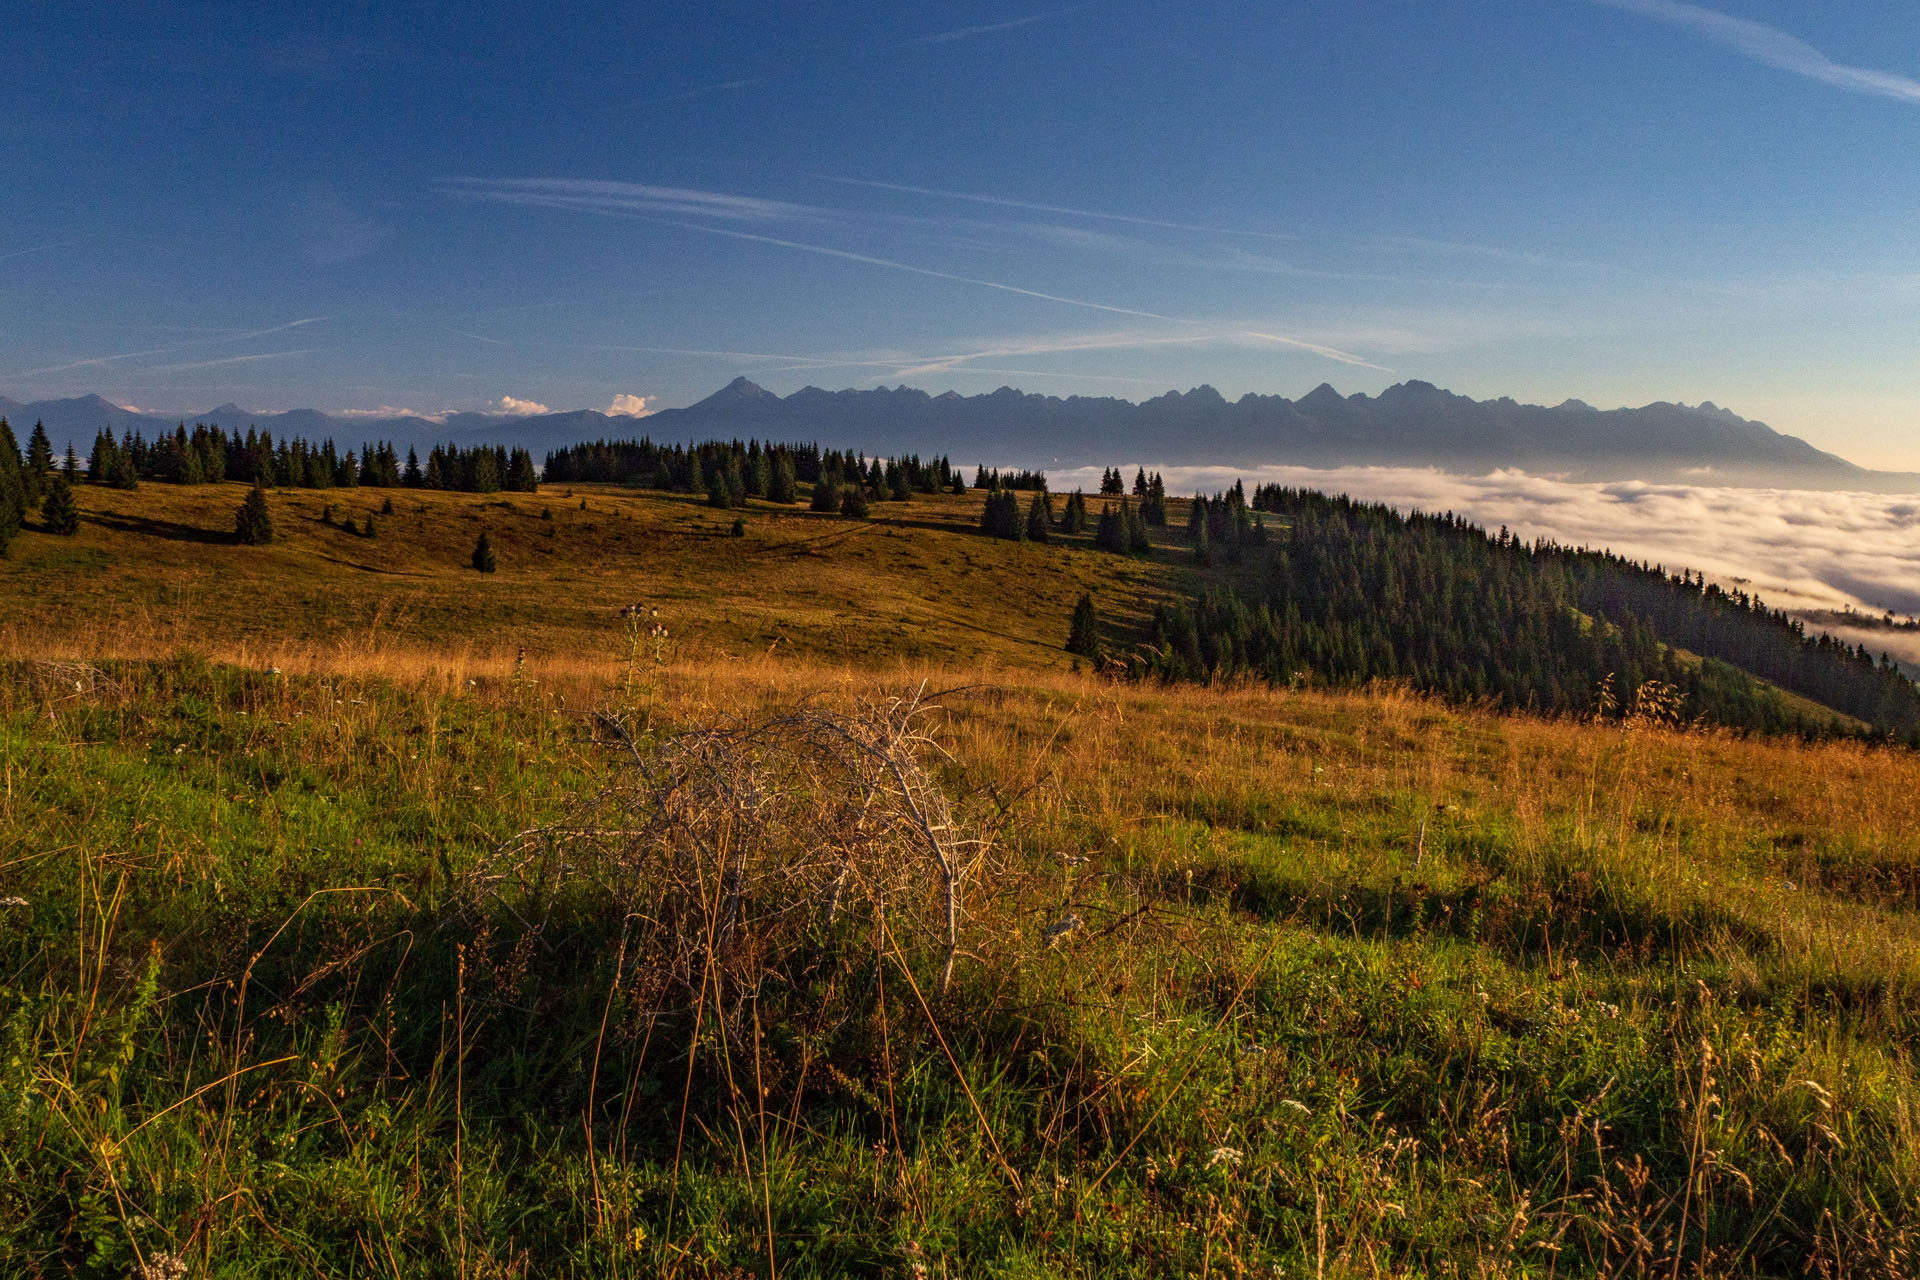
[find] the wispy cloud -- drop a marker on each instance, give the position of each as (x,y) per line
(89,362)
(1032,206)
(38,248)
(677,207)
(1331,353)
(1774,48)
(987,29)
(226,360)
(589,195)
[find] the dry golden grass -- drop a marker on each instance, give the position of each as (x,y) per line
(154,569)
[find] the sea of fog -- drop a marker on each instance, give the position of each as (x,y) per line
(1795,548)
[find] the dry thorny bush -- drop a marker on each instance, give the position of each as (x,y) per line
(801,851)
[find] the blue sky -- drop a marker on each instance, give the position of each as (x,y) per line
(389,206)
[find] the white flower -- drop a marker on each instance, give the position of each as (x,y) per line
(1229,1156)
(13,901)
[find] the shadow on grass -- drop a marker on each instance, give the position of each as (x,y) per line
(171,530)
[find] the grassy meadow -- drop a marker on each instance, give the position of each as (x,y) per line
(338,940)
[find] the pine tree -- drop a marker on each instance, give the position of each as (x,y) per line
(826,492)
(521,476)
(57,512)
(736,484)
(1138,543)
(1074,518)
(717,491)
(854,502)
(252,524)
(784,488)
(1039,517)
(369,533)
(1202,545)
(483,554)
(1140,482)
(120,473)
(1110,534)
(13,489)
(1000,516)
(1083,632)
(1154,508)
(39,473)
(412,478)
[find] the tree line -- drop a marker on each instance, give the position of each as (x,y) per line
(210,455)
(730,472)
(1342,592)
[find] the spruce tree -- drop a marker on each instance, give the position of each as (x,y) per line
(252,524)
(736,484)
(13,489)
(717,491)
(521,476)
(826,492)
(1110,534)
(57,512)
(854,502)
(783,488)
(1074,518)
(483,554)
(120,473)
(1039,517)
(1202,545)
(1083,633)
(1000,516)
(1138,543)
(369,533)
(39,473)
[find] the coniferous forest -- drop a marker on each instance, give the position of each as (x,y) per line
(209,455)
(1347,592)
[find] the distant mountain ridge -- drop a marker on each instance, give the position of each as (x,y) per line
(1408,424)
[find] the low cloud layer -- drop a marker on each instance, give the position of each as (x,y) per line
(1794,548)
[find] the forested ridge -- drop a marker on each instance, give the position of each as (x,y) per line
(1345,592)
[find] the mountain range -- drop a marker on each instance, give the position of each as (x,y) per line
(1409,424)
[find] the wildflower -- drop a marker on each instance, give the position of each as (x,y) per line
(1228,1156)
(161,1266)
(14,900)
(1293,1104)
(1060,928)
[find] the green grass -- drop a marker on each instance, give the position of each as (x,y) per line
(1365,984)
(1362,984)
